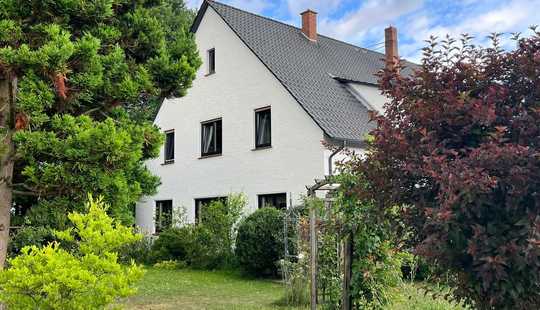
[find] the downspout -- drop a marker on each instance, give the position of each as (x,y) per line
(330,161)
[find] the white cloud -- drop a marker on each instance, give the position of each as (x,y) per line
(511,16)
(370,17)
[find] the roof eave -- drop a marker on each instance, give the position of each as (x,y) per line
(199,17)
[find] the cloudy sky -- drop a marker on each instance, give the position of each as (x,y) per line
(362,22)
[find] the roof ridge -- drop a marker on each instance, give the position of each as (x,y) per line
(210,2)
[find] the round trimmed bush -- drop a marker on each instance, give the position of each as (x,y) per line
(259,243)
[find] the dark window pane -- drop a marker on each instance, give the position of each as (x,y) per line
(169,146)
(278,201)
(211,61)
(200,203)
(211,138)
(163,215)
(263,128)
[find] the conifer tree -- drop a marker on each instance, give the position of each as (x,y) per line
(71,71)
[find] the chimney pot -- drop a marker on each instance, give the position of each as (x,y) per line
(309,24)
(391,47)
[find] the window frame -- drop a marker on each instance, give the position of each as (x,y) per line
(257,111)
(211,58)
(199,204)
(165,149)
(218,134)
(273,195)
(158,222)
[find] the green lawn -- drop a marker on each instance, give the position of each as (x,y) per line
(189,289)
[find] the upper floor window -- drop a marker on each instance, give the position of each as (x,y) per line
(211,138)
(169,147)
(263,128)
(278,201)
(212,61)
(200,203)
(164,214)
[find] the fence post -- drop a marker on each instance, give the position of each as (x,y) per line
(346,303)
(313,257)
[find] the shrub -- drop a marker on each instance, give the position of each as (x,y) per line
(208,244)
(139,251)
(172,244)
(28,236)
(213,237)
(459,149)
(90,277)
(259,244)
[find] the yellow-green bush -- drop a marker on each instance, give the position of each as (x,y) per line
(87,276)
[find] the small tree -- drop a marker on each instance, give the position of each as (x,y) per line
(87,277)
(74,75)
(459,148)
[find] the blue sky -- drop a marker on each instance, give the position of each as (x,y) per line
(362,22)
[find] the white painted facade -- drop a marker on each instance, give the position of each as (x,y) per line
(240,85)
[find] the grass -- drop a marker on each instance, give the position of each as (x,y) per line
(193,289)
(190,289)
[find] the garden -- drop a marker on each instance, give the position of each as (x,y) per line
(441,212)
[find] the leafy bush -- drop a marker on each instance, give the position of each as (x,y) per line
(352,221)
(459,149)
(139,251)
(172,244)
(28,236)
(209,243)
(259,244)
(89,277)
(213,237)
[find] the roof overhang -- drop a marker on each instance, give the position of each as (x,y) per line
(199,17)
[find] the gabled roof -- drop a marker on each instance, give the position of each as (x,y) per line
(313,72)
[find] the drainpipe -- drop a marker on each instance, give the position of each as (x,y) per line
(330,161)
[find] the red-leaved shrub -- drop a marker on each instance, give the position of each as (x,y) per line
(459,149)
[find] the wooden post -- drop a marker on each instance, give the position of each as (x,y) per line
(313,257)
(346,302)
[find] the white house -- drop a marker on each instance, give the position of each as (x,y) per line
(266,97)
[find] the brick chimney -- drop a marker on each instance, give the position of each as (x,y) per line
(391,46)
(309,24)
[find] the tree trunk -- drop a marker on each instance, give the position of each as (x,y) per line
(7,150)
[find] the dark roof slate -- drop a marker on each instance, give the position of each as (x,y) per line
(308,70)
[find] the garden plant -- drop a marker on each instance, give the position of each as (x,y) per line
(458,150)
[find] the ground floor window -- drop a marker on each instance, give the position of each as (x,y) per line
(278,201)
(164,214)
(201,202)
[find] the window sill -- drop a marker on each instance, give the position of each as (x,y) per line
(210,74)
(210,156)
(260,148)
(168,162)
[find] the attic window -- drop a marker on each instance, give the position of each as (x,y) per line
(211,61)
(263,129)
(169,147)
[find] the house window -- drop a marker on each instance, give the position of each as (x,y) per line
(169,147)
(211,138)
(163,215)
(263,128)
(278,201)
(212,61)
(200,203)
